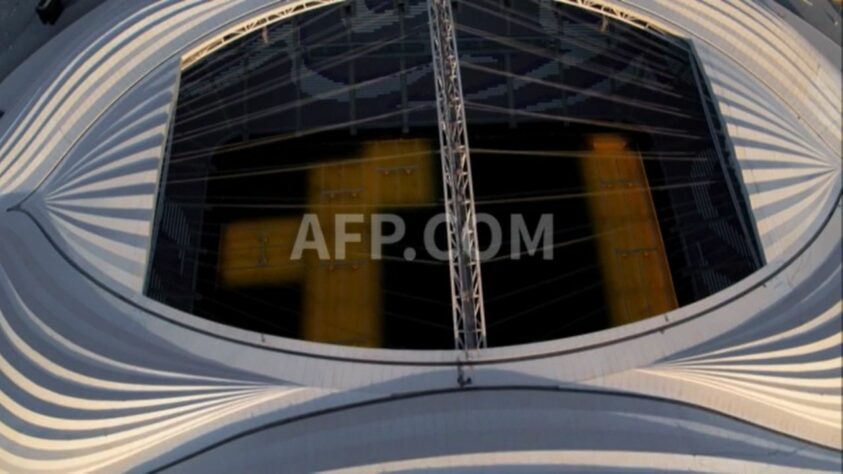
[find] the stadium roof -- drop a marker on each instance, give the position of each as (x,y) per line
(95,375)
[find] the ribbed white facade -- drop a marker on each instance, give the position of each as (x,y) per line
(96,376)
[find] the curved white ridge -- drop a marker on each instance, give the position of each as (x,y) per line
(570,461)
(455,432)
(94,376)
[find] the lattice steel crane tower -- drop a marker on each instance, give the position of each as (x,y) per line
(463,251)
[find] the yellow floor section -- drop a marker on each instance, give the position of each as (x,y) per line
(636,273)
(257,253)
(342,300)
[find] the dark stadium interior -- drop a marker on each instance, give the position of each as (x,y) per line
(334,112)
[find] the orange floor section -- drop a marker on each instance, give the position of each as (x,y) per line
(257,253)
(636,273)
(341,296)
